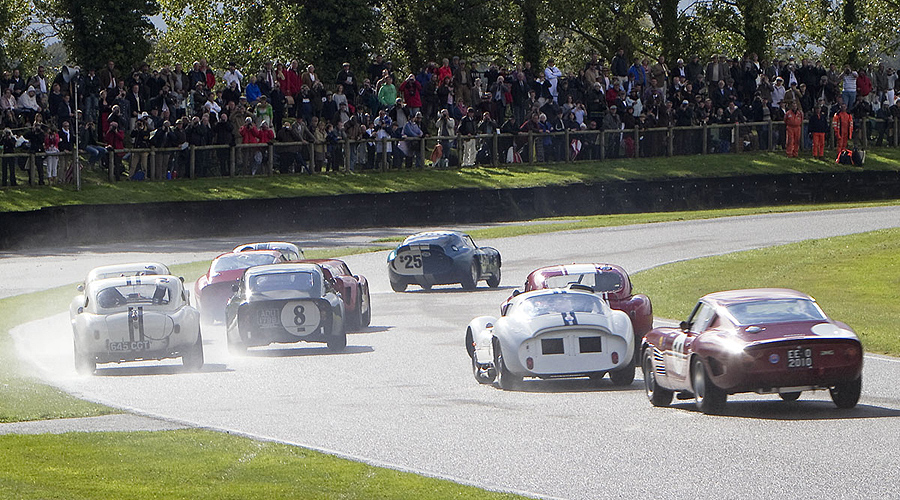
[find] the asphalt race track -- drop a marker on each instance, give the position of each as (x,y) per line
(403,394)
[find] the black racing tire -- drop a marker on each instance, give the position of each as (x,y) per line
(355,319)
(846,394)
(366,318)
(337,343)
(192,359)
(790,396)
(623,377)
(494,281)
(397,286)
(470,281)
(710,399)
(657,395)
(506,380)
(597,377)
(84,364)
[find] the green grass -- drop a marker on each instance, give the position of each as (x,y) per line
(196,464)
(96,190)
(855,278)
(553,224)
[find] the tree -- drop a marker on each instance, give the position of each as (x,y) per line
(21,45)
(95,32)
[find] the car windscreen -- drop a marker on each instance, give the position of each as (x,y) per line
(599,281)
(559,303)
(775,311)
(112,297)
(300,281)
(241,261)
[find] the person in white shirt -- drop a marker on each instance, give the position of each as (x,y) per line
(552,74)
(233,75)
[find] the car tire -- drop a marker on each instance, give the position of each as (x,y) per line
(657,395)
(710,399)
(84,364)
(597,377)
(506,380)
(192,359)
(494,281)
(397,286)
(355,319)
(366,316)
(470,281)
(622,377)
(337,343)
(790,396)
(845,395)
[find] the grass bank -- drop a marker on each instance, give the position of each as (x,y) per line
(96,190)
(196,464)
(855,278)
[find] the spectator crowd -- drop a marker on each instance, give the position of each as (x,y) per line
(172,108)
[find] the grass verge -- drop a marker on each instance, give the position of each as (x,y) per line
(96,190)
(854,278)
(196,464)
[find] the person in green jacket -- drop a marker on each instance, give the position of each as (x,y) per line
(387,94)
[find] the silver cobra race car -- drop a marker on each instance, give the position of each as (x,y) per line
(133,318)
(115,271)
(552,333)
(288,302)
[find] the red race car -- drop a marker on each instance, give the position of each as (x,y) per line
(354,290)
(608,280)
(213,289)
(767,340)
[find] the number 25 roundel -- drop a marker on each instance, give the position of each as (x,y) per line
(569,318)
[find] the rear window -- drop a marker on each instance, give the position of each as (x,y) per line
(234,261)
(112,297)
(599,282)
(560,303)
(300,281)
(775,311)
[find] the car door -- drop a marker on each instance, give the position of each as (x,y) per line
(677,357)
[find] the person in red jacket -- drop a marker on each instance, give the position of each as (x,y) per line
(412,94)
(115,139)
(250,135)
(793,120)
(843,128)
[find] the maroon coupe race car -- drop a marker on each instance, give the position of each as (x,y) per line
(768,341)
(354,290)
(608,280)
(213,289)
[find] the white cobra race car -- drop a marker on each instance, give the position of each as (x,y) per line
(134,318)
(115,271)
(552,333)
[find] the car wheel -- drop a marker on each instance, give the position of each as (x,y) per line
(470,281)
(398,287)
(622,377)
(84,364)
(355,319)
(494,281)
(366,316)
(597,377)
(337,343)
(710,399)
(846,394)
(657,395)
(192,359)
(507,380)
(789,396)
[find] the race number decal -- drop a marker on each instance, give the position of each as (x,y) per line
(300,318)
(410,262)
(678,343)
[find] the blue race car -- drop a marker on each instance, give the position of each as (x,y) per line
(442,258)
